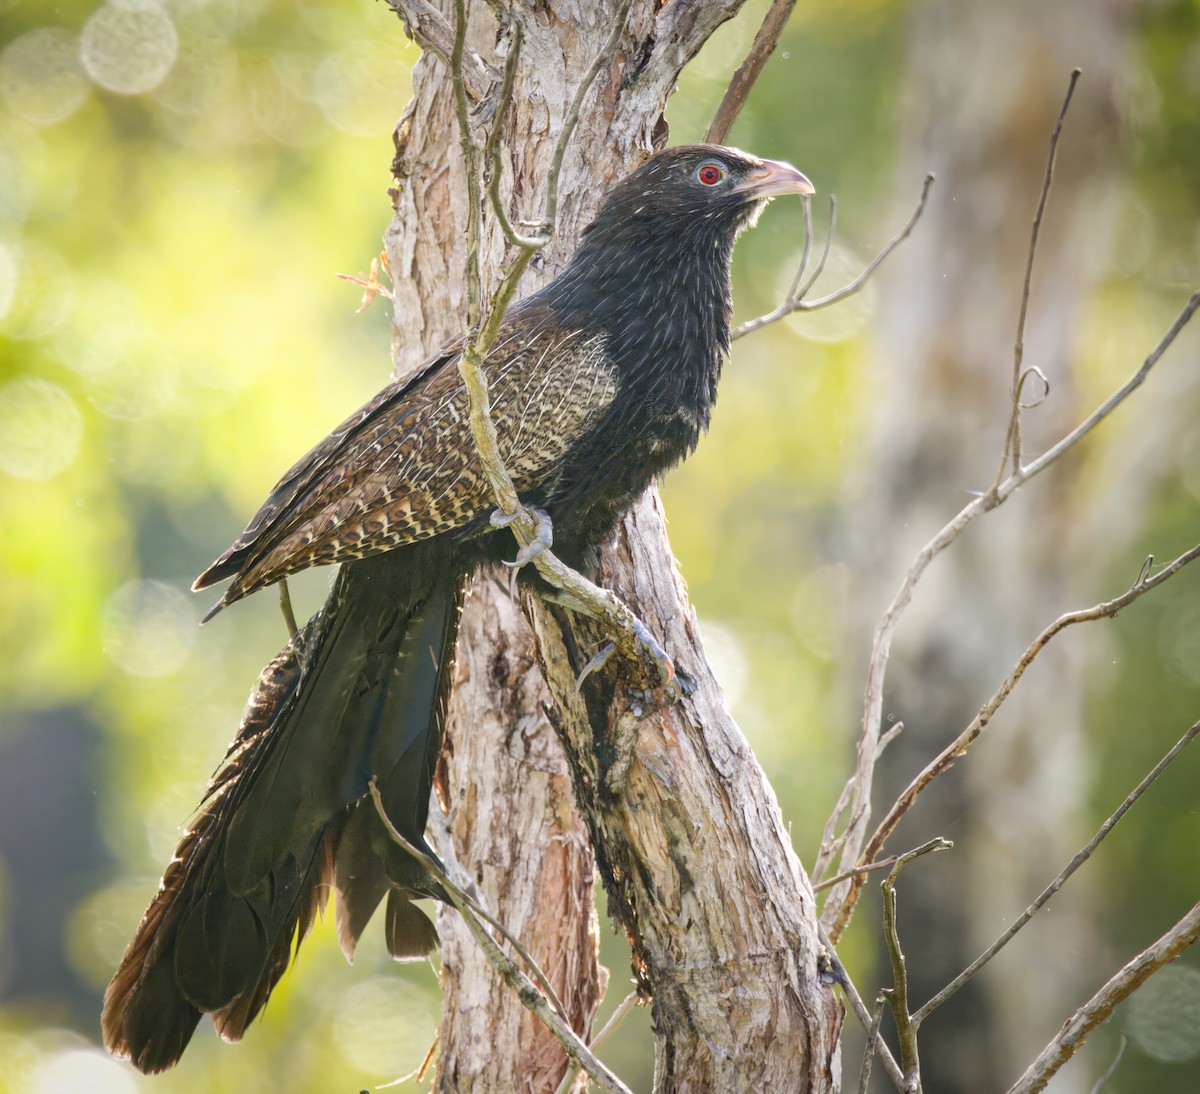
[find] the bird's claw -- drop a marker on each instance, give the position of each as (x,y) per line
(671,686)
(543,538)
(594,665)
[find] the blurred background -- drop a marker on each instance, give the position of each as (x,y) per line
(179,183)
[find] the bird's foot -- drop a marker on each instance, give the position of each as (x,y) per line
(543,538)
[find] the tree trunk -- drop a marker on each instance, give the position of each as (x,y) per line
(697,864)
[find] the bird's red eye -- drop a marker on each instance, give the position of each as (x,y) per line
(711,173)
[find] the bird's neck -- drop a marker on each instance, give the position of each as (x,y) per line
(664,303)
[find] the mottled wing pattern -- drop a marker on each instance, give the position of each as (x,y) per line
(404,468)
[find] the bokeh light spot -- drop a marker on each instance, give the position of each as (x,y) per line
(79,1069)
(355,88)
(40,428)
(99,929)
(40,76)
(1164,1014)
(129,46)
(148,628)
(834,324)
(42,293)
(8,279)
(385,1026)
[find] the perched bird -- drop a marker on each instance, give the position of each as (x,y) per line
(599,382)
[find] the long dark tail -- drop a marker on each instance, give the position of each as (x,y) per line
(359,692)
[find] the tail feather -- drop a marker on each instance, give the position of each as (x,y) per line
(359,693)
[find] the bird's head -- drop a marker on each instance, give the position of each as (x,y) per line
(703,188)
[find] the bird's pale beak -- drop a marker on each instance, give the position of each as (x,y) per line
(774,178)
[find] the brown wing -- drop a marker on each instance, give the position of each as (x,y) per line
(404,467)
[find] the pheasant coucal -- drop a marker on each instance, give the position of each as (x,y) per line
(599,382)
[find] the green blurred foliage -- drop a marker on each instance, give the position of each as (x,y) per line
(172,337)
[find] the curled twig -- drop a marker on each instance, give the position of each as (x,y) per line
(1012,437)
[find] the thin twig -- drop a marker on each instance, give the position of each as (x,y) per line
(1012,438)
(869,868)
(840,904)
(1099,1008)
(1083,855)
(797,302)
(479,910)
(946,759)
(529,995)
(1111,1070)
(614,1021)
(748,71)
(285,606)
(863,1016)
(629,634)
(864,1074)
(906,1028)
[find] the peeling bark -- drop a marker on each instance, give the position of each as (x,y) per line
(697,864)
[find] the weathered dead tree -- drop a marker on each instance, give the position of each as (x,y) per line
(697,864)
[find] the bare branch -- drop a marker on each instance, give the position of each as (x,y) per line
(1100,1007)
(945,759)
(906,1028)
(839,906)
(629,634)
(529,995)
(864,1075)
(1079,859)
(866,1020)
(796,302)
(1048,457)
(748,71)
(1111,1070)
(614,1021)
(869,868)
(1012,439)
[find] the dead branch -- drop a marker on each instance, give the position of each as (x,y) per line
(897,995)
(1080,858)
(748,71)
(1012,437)
(839,906)
(1099,1008)
(796,298)
(959,746)
(553,1017)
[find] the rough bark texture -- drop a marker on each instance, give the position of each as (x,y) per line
(696,861)
(719,910)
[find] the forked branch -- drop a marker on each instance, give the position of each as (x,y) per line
(552,1016)
(1080,858)
(848,846)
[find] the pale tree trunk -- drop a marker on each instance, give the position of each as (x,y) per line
(698,866)
(986,84)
